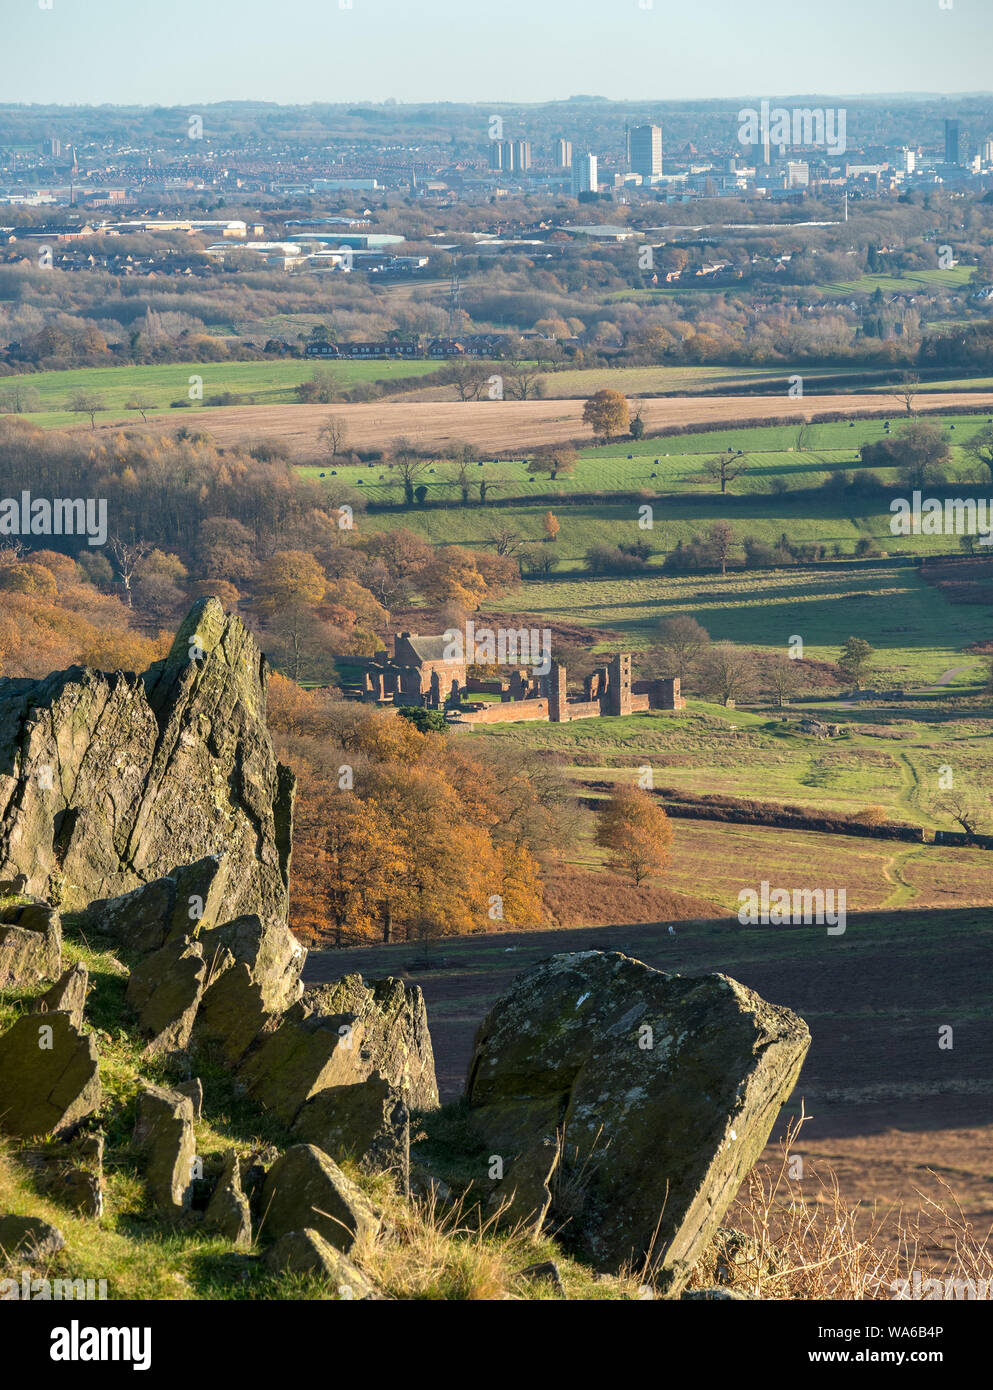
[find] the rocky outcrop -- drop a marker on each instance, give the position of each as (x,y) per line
(339,1035)
(630,1102)
(49,1076)
(306,1190)
(390,1022)
(163,1138)
(368,1122)
(108,781)
(164,991)
(67,995)
(188,900)
(30,944)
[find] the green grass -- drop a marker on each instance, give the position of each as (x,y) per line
(917,634)
(267,383)
(910,282)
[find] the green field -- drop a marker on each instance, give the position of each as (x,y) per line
(917,634)
(910,282)
(266,383)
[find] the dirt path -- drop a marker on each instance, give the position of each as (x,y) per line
(513,425)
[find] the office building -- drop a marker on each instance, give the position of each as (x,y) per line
(645,157)
(952,142)
(562,153)
(584,174)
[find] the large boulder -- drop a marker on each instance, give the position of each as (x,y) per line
(107,781)
(164,991)
(392,1021)
(189,899)
(269,949)
(232,1014)
(633,1101)
(49,1076)
(306,1053)
(368,1122)
(163,1138)
(30,944)
(306,1190)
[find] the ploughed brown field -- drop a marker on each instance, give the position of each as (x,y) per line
(517,425)
(890,1112)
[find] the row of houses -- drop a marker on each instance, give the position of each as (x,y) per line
(468,345)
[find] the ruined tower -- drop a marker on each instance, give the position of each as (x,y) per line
(619,686)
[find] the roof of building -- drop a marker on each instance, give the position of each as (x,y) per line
(428,648)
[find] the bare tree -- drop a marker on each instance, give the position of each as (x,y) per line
(682,643)
(961,808)
(908,391)
(724,468)
(333,433)
(728,673)
(142,404)
(784,679)
(405,459)
(525,384)
(506,541)
(86,403)
(128,555)
(721,538)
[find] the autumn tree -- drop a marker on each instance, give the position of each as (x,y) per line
(554,459)
(636,832)
(607,413)
(551,526)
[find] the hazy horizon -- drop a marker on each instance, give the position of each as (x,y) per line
(451,50)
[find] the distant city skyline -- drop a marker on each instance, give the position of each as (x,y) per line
(114,52)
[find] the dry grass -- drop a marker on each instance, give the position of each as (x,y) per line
(512,425)
(804,1241)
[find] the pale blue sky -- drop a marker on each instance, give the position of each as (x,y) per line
(187,51)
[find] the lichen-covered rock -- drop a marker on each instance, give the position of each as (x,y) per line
(110,780)
(182,903)
(228,1212)
(29,1238)
(163,1137)
(231,1014)
(307,1252)
(30,944)
(271,952)
(368,1122)
(391,1020)
(658,1093)
(164,991)
(305,1189)
(49,1076)
(67,995)
(305,1054)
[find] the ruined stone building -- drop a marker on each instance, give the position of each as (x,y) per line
(420,673)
